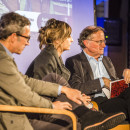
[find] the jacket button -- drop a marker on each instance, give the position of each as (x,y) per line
(11,122)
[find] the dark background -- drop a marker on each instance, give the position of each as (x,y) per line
(119,51)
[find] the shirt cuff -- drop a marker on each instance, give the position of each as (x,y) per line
(101,82)
(59,89)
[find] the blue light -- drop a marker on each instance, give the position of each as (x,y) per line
(100,1)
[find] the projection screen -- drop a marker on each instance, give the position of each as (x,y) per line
(78,13)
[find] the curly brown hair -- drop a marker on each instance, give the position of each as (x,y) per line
(52,31)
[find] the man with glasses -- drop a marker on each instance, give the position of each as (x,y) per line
(91,72)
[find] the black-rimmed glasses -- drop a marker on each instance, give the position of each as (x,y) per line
(99,42)
(27,37)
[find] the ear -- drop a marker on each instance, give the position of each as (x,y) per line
(85,42)
(12,37)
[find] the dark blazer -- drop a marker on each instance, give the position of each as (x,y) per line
(48,62)
(82,76)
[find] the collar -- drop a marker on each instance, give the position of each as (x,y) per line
(90,57)
(7,51)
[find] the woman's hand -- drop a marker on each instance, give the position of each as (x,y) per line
(86,99)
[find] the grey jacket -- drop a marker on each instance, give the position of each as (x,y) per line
(47,62)
(17,89)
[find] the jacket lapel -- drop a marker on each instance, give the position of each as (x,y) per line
(106,62)
(86,65)
(109,68)
(59,61)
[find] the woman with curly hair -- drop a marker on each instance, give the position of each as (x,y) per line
(55,38)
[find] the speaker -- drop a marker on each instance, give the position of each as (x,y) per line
(113,30)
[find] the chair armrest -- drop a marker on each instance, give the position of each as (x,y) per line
(8,108)
(95,105)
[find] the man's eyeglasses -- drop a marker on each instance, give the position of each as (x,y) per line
(99,42)
(27,37)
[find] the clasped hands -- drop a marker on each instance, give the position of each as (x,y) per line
(74,95)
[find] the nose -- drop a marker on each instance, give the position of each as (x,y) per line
(103,44)
(71,39)
(27,43)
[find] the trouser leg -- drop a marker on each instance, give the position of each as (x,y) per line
(117,104)
(55,78)
(125,95)
(60,124)
(114,105)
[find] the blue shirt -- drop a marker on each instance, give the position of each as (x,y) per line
(7,51)
(98,70)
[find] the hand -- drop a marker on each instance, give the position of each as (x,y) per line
(62,105)
(72,94)
(86,99)
(126,74)
(106,82)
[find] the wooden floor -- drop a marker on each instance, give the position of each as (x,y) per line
(122,127)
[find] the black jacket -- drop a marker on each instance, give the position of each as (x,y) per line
(82,76)
(47,62)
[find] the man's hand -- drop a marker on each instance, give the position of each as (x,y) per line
(126,74)
(72,94)
(62,105)
(106,82)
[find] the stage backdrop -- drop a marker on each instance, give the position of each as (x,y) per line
(78,13)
